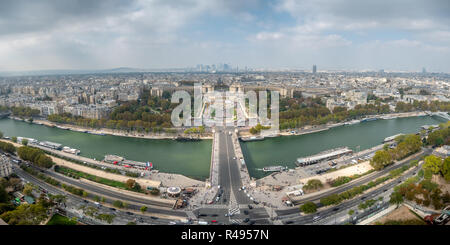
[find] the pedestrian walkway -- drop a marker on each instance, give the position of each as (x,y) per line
(236,221)
(233,211)
(378,215)
(191,215)
(214,172)
(215,206)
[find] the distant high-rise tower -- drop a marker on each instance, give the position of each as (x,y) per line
(314,69)
(424,70)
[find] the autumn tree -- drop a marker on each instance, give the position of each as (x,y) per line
(381,159)
(433,163)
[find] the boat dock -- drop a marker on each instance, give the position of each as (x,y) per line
(391,138)
(352,122)
(51,145)
(187,139)
(118,160)
(368,119)
(428,127)
(71,150)
(323,156)
(274,169)
(252,138)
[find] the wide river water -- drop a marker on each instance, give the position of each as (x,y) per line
(188,158)
(193,158)
(285,150)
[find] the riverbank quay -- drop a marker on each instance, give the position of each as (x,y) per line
(151,178)
(97,191)
(191,159)
(371,176)
(115,132)
(309,129)
(313,129)
(273,189)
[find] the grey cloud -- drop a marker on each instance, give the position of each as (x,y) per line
(21,16)
(385,13)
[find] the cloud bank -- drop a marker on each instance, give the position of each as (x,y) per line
(340,34)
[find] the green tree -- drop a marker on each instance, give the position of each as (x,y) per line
(3,195)
(433,163)
(131,184)
(58,198)
(313,184)
(1,134)
(154,191)
(24,142)
(25,214)
(118,204)
(396,198)
(446,169)
(27,189)
(381,159)
(14,139)
(44,161)
(7,147)
(143,209)
(308,208)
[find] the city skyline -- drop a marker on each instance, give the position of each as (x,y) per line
(278,34)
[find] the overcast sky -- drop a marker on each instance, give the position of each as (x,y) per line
(339,34)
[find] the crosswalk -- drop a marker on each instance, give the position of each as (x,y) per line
(234,211)
(191,215)
(236,221)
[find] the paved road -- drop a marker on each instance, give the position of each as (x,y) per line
(308,219)
(75,202)
(352,184)
(114,195)
(229,173)
(224,168)
(230,182)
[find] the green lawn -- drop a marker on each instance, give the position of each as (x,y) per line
(60,220)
